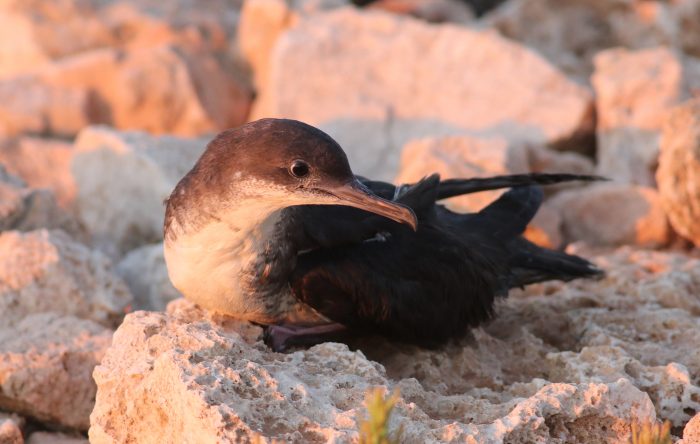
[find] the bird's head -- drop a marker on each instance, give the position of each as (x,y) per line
(278,163)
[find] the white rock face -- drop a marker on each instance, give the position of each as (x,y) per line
(146,274)
(122,180)
(634,92)
(679,169)
(361,93)
(572,362)
(613,214)
(45,271)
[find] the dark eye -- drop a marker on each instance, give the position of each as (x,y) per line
(299,168)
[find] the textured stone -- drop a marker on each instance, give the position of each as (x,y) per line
(11,429)
(216,382)
(679,169)
(361,93)
(122,180)
(634,91)
(691,432)
(144,271)
(613,214)
(45,364)
(45,271)
(42,163)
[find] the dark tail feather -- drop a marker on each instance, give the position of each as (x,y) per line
(456,187)
(532,264)
(508,216)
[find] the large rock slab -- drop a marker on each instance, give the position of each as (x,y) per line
(679,169)
(634,92)
(45,271)
(45,364)
(201,380)
(122,180)
(462,81)
(613,214)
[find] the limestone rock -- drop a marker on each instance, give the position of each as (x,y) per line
(679,169)
(144,270)
(634,91)
(362,95)
(25,209)
(613,214)
(45,271)
(571,33)
(213,376)
(11,429)
(45,364)
(42,163)
(54,438)
(122,180)
(462,156)
(691,432)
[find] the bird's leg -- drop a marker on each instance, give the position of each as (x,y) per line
(281,337)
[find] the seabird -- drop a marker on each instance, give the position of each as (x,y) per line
(272,226)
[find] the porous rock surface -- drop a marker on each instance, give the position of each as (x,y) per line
(123,206)
(561,363)
(361,94)
(679,169)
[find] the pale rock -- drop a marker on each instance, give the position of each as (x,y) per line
(42,163)
(26,209)
(434,11)
(634,91)
(11,429)
(45,364)
(158,89)
(261,24)
(462,157)
(196,378)
(144,271)
(123,179)
(30,106)
(678,175)
(361,93)
(45,271)
(571,33)
(545,228)
(543,160)
(55,438)
(613,214)
(691,432)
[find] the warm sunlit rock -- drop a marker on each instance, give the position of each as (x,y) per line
(679,169)
(613,214)
(122,179)
(360,91)
(634,92)
(11,429)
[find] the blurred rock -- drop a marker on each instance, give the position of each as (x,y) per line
(30,106)
(545,228)
(678,175)
(435,11)
(212,382)
(54,438)
(462,156)
(27,209)
(11,429)
(691,432)
(634,91)
(45,271)
(158,89)
(42,163)
(144,271)
(463,80)
(571,33)
(45,364)
(613,214)
(122,180)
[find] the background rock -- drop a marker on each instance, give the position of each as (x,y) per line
(613,214)
(144,270)
(679,169)
(54,438)
(361,94)
(123,179)
(11,429)
(634,92)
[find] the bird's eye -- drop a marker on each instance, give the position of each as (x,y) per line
(299,168)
